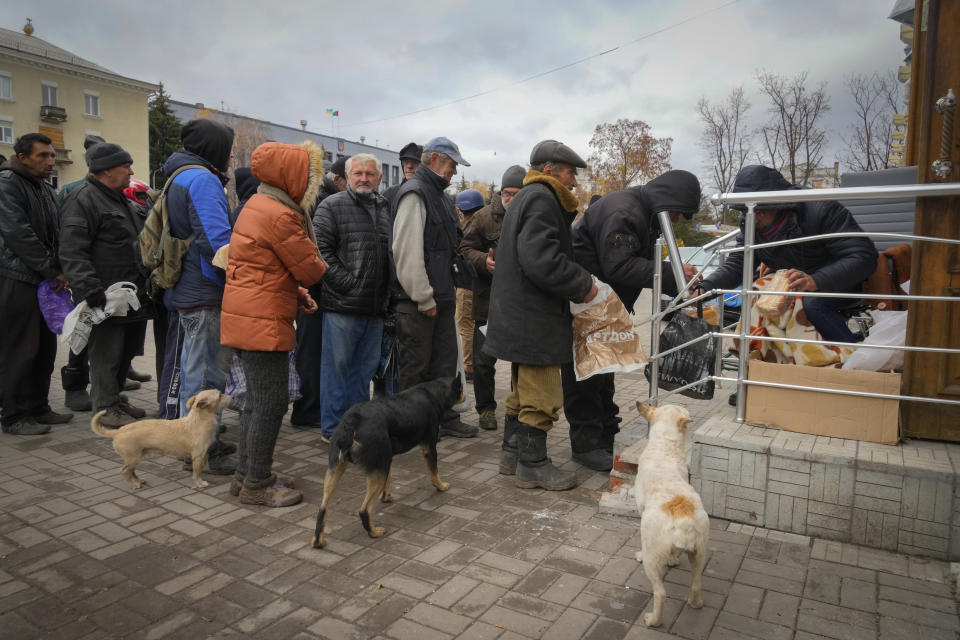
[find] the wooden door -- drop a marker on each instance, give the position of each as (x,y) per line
(936,267)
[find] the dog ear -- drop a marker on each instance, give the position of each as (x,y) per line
(646,410)
(683,423)
(191,401)
(201,403)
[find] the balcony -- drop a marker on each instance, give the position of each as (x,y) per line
(53,114)
(63,156)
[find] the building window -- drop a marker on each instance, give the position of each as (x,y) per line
(91,104)
(54,179)
(48,95)
(386,175)
(396,174)
(6,131)
(6,86)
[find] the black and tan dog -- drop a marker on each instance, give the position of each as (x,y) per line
(371,433)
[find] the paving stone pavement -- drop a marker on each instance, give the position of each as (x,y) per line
(84,557)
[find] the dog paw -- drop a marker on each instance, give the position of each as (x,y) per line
(651,620)
(377,532)
(319,543)
(202,484)
(443,486)
(639,556)
(695,601)
(386,497)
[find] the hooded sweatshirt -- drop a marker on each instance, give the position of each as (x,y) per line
(616,236)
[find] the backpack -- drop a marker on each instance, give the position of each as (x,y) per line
(160,252)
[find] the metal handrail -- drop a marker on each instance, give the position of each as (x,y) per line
(751,200)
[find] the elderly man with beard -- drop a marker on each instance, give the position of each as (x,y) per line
(426,236)
(353,235)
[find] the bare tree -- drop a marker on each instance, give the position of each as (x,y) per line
(793,138)
(624,153)
(870,136)
(726,139)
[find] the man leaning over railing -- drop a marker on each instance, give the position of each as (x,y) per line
(834,265)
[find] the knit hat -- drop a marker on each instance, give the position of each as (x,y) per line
(91,140)
(106,155)
(513,177)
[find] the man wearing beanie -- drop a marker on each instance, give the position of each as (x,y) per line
(615,240)
(75,375)
(478,246)
(99,227)
(198,208)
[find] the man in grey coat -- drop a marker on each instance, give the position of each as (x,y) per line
(530,323)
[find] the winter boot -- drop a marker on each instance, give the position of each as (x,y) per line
(508,450)
(534,468)
(488,420)
(78,400)
(270,493)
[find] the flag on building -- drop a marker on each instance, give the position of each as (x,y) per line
(334,112)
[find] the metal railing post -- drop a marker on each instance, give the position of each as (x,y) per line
(676,264)
(654,321)
(745,302)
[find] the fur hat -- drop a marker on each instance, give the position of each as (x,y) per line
(106,155)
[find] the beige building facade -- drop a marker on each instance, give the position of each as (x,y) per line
(46,89)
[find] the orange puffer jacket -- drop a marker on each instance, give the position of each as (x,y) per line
(272,250)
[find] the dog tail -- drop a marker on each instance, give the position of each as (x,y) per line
(684,535)
(99,429)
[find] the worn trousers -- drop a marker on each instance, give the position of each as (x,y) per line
(267,395)
(307,409)
(464,318)
(28,350)
(589,408)
(484,372)
(427,346)
(536,395)
(111,348)
(201,362)
(168,388)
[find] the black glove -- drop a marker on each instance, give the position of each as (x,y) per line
(98,299)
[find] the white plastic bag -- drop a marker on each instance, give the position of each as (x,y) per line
(890,329)
(121,297)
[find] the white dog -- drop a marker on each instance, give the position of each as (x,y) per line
(673,517)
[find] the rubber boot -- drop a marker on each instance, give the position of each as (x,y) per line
(534,468)
(508,450)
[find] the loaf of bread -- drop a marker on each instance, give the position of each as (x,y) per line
(772,304)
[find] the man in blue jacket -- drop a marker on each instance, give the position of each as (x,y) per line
(198,207)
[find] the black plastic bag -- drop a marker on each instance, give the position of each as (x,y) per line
(692,363)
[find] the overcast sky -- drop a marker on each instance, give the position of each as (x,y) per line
(374,61)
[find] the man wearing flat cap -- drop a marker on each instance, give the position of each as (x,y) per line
(410,156)
(615,240)
(426,236)
(98,248)
(478,246)
(529,322)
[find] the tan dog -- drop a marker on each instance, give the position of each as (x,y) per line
(188,436)
(673,518)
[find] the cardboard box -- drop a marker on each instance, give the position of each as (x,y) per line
(820,413)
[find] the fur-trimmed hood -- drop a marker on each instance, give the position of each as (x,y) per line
(567,200)
(296,169)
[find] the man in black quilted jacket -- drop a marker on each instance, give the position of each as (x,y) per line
(353,234)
